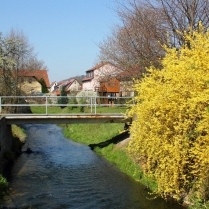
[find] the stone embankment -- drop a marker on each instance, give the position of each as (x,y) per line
(10,146)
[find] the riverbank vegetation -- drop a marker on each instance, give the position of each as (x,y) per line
(78,110)
(172,115)
(19,138)
(115,153)
(19,133)
(3,186)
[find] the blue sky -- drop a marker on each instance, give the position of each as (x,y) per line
(64,33)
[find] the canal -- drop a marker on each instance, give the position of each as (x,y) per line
(61,174)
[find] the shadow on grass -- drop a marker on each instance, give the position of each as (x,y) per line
(124,135)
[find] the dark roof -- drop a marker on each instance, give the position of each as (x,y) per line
(87,79)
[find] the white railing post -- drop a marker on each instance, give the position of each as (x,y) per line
(95,103)
(0,104)
(46,106)
(91,103)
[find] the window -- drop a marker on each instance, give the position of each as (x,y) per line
(90,74)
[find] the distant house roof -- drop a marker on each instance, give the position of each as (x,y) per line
(65,82)
(87,79)
(99,65)
(54,82)
(95,68)
(38,74)
(69,83)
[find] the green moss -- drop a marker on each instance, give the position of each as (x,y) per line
(19,133)
(3,186)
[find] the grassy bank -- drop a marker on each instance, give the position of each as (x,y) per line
(77,110)
(114,153)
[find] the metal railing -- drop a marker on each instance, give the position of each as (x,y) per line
(18,104)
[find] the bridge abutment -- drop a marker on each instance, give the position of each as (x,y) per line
(7,141)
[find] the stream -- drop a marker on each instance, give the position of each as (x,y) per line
(62,174)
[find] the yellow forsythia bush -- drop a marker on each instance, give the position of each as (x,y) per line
(170,131)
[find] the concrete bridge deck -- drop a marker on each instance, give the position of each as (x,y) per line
(94,104)
(65,119)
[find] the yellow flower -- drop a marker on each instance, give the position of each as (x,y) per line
(170,132)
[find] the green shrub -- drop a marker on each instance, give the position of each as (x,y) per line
(3,185)
(170,137)
(82,102)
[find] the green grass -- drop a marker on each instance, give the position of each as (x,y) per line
(92,133)
(69,110)
(96,133)
(18,132)
(120,158)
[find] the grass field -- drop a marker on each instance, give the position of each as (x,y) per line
(79,110)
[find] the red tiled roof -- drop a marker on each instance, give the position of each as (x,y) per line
(38,74)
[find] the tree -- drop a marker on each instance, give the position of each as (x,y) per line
(8,83)
(63,100)
(146,26)
(23,52)
(135,44)
(170,138)
(15,54)
(181,15)
(44,88)
(33,64)
(20,48)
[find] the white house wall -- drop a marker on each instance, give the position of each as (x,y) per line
(75,86)
(102,72)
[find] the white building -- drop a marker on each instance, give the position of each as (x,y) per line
(94,75)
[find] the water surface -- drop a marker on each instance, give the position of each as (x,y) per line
(62,174)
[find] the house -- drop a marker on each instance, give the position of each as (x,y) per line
(126,80)
(73,86)
(104,70)
(54,86)
(109,88)
(30,81)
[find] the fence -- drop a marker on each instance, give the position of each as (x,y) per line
(23,104)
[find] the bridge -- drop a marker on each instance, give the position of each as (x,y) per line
(64,110)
